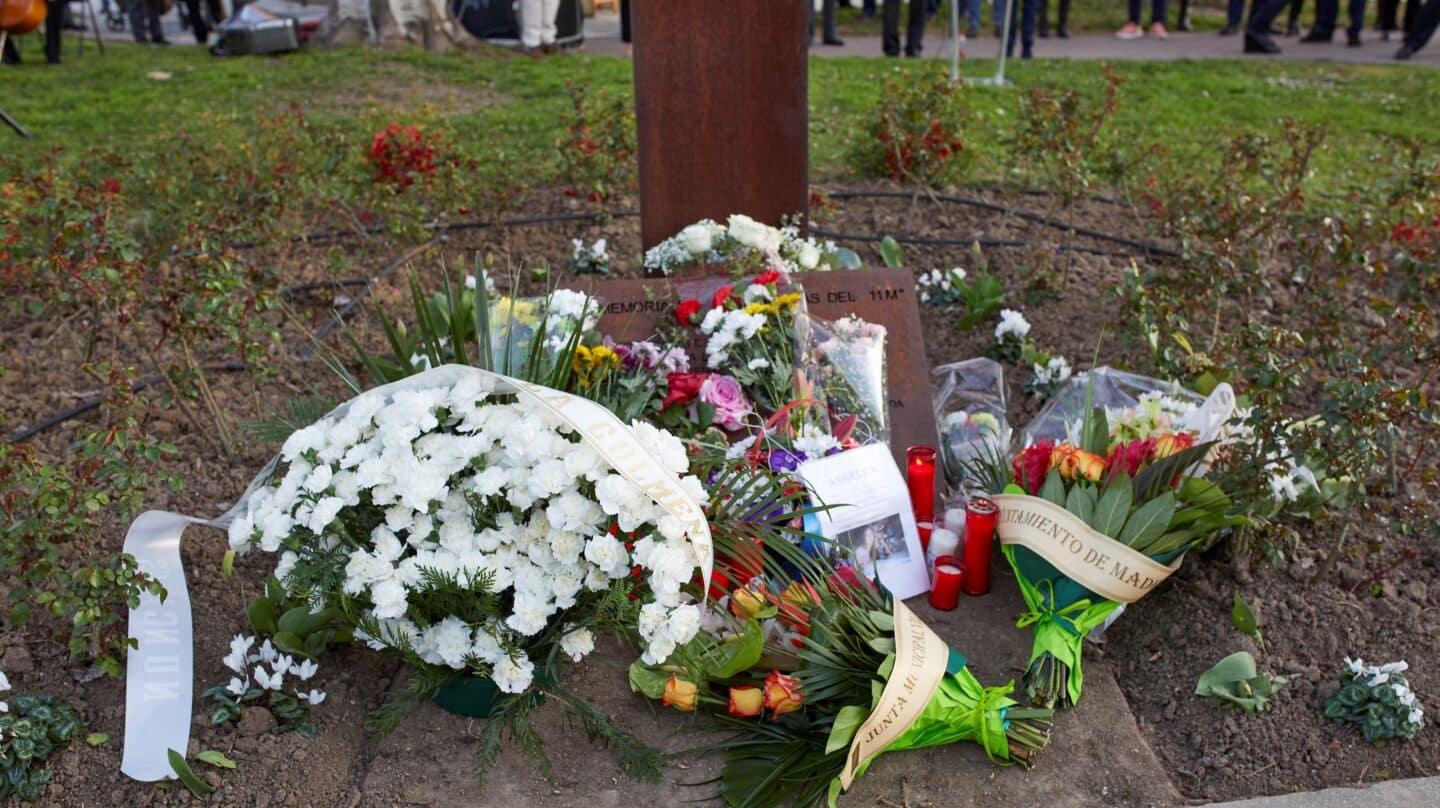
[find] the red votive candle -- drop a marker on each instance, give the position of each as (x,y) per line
(980,517)
(945,586)
(924,529)
(920,474)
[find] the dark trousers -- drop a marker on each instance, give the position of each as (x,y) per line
(1028,9)
(145,20)
(914,28)
(1263,14)
(11,54)
(625,21)
(54,22)
(1427,19)
(1389,12)
(867,8)
(827,19)
(1328,11)
(1234,12)
(1158,10)
(1061,21)
(1295,8)
(198,26)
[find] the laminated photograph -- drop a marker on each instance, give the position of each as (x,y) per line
(870,518)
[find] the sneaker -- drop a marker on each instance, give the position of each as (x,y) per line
(1130,31)
(1158,31)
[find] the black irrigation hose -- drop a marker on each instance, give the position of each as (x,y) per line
(1151,249)
(953,242)
(28,432)
(341,312)
(321,236)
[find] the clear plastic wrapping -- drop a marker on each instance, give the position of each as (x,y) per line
(969,412)
(1132,403)
(843,361)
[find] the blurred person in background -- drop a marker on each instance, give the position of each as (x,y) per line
(914,28)
(1132,29)
(145,22)
(1427,19)
(1062,29)
(1326,14)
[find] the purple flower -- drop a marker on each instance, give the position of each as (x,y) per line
(785,460)
(725,395)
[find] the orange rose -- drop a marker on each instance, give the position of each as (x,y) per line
(782,694)
(1169,444)
(795,604)
(680,694)
(1078,464)
(746,702)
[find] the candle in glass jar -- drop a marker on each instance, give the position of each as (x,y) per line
(954,520)
(945,586)
(980,517)
(920,475)
(943,542)
(924,529)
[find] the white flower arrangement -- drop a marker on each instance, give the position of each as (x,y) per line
(398,508)
(942,287)
(741,238)
(1012,326)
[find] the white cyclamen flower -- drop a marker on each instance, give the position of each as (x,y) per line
(314,696)
(1012,324)
(269,681)
(305,669)
(238,686)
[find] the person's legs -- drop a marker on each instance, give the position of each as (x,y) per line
(1293,24)
(138,11)
(550,9)
(828,12)
(972,16)
(1357,19)
(531,12)
(915,30)
(625,21)
(54,22)
(1062,22)
(1326,13)
(890,27)
(867,8)
(1133,7)
(1257,31)
(1159,9)
(1425,20)
(157,34)
(1043,22)
(1131,29)
(197,21)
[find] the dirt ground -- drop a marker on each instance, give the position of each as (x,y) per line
(1139,737)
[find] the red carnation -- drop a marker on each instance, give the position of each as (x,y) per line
(721,295)
(686,312)
(1129,457)
(767,277)
(683,388)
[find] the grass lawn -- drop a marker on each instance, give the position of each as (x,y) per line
(136,99)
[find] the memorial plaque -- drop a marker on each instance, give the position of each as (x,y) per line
(721,111)
(633,309)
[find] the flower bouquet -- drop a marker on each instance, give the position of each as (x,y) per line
(846,367)
(969,412)
(1091,524)
(747,246)
(483,529)
(866,677)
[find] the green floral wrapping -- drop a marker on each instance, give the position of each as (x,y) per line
(961,709)
(1060,626)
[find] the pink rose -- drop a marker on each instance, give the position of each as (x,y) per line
(724,394)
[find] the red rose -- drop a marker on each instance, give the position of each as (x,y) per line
(1032,464)
(686,312)
(721,295)
(682,388)
(767,277)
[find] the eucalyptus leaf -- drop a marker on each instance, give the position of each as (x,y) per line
(1054,489)
(1148,522)
(1081,502)
(1113,509)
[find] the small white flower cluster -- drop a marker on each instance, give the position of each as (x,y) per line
(814,441)
(1012,325)
(707,242)
(573,308)
(1053,372)
(942,288)
(725,329)
(470,282)
(4,686)
(594,258)
(1373,675)
(470,487)
(240,660)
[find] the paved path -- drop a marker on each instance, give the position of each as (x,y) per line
(1420,792)
(602,36)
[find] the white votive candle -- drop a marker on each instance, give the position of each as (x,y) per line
(943,542)
(954,519)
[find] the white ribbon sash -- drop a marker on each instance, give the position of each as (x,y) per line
(920,660)
(159,678)
(1112,570)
